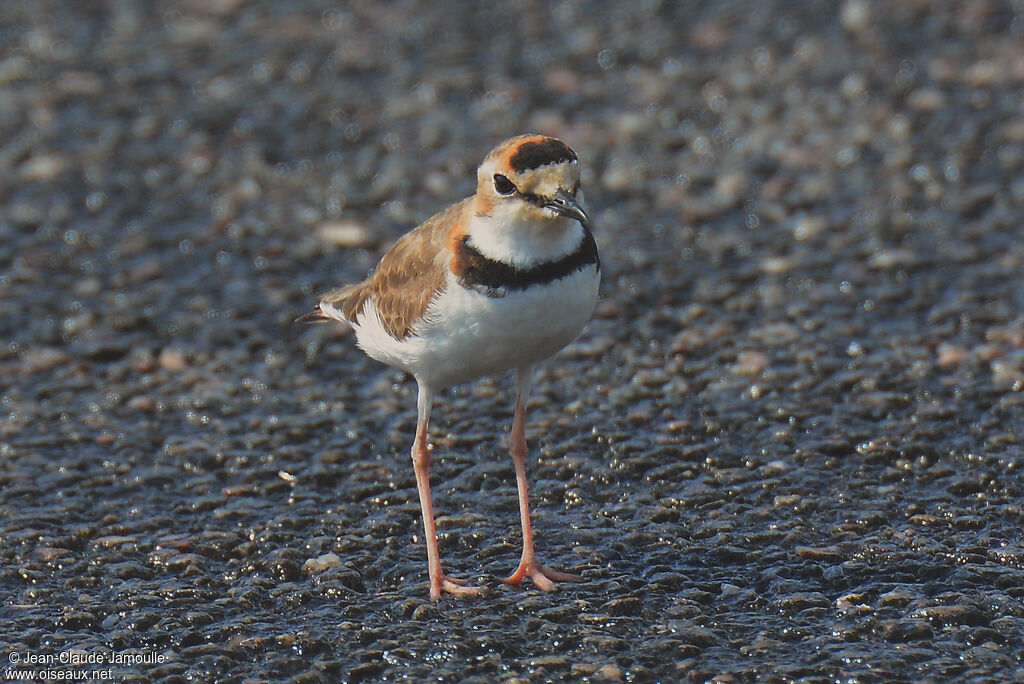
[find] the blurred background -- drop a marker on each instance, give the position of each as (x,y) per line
(787,446)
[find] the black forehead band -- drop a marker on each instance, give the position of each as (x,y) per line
(533,155)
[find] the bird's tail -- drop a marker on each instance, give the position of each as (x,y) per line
(329,308)
(314,316)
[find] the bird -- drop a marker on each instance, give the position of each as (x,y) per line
(497,282)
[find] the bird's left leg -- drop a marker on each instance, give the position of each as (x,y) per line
(528,564)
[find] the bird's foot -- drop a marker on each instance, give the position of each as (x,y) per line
(450,585)
(544,578)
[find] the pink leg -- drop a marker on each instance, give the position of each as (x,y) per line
(439,582)
(528,564)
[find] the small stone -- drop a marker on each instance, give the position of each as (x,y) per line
(43,359)
(112,541)
(809,227)
(897,597)
(608,309)
(140,403)
(802,601)
(610,673)
(1007,374)
(88,287)
(750,363)
(315,566)
(906,630)
(172,360)
(364,672)
(774,265)
(697,636)
(729,187)
(847,600)
(346,234)
(855,15)
(79,83)
(949,354)
(582,670)
(831,553)
(49,553)
(952,615)
(891,258)
(926,100)
(981,73)
(624,606)
(245,489)
(550,661)
(663,514)
(617,177)
(183,561)
(853,86)
(44,167)
(145,270)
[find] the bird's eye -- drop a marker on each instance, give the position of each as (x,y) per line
(502,185)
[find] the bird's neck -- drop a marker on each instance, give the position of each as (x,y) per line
(523,243)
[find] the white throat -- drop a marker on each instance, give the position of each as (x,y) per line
(508,238)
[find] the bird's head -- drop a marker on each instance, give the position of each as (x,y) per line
(530,178)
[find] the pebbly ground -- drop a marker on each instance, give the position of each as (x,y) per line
(788,447)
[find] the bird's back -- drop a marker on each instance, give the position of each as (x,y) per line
(410,274)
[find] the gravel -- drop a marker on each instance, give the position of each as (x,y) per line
(788,446)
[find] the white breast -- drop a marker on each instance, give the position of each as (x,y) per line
(508,237)
(466,334)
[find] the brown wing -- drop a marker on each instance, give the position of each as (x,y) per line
(407,278)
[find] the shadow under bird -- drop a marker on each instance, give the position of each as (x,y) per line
(499,281)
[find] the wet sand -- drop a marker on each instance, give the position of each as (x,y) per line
(786,448)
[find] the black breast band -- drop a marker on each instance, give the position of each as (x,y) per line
(496,278)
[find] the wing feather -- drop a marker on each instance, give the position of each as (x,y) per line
(409,276)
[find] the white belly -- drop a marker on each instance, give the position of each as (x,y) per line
(466,334)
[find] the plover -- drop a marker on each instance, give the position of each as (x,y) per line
(499,281)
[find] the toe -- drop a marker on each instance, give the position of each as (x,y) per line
(543,577)
(558,576)
(451,585)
